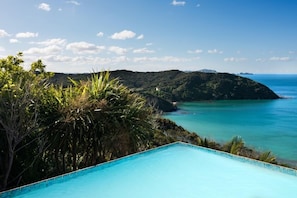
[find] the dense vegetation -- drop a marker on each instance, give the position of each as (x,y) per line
(48,129)
(181,86)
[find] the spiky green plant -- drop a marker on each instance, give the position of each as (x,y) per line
(234,146)
(267,157)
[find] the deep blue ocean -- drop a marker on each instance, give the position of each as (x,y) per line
(264,125)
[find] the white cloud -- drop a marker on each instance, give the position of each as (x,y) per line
(3,33)
(233,59)
(143,51)
(44,6)
(100,34)
(2,49)
(140,37)
(120,59)
(123,35)
(84,47)
(26,35)
(149,44)
(55,41)
(53,49)
(58,58)
(73,2)
(260,60)
(140,59)
(197,51)
(159,59)
(117,50)
(275,58)
(13,40)
(178,3)
(172,59)
(214,51)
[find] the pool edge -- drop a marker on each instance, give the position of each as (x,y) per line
(60,178)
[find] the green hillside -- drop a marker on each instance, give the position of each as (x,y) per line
(163,88)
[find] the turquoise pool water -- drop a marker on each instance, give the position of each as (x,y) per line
(178,170)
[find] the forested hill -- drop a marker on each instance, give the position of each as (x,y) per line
(179,86)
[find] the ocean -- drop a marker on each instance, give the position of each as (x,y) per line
(264,125)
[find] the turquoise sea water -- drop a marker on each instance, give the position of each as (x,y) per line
(266,125)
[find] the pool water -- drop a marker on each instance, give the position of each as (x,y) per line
(177,170)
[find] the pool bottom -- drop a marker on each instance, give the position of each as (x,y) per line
(175,170)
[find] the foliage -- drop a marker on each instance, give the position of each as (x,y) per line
(47,130)
(19,114)
(267,157)
(100,119)
(234,146)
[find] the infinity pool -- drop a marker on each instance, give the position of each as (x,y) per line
(176,170)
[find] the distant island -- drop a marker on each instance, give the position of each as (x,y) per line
(208,71)
(245,73)
(163,88)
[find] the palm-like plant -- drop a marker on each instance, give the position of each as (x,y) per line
(121,117)
(267,157)
(234,146)
(98,120)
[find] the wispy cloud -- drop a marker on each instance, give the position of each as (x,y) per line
(53,49)
(13,40)
(234,59)
(73,2)
(159,59)
(123,35)
(117,50)
(197,51)
(178,3)
(140,37)
(276,58)
(143,51)
(3,33)
(44,6)
(214,51)
(84,48)
(59,58)
(100,34)
(26,35)
(55,41)
(261,60)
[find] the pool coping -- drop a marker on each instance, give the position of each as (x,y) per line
(61,178)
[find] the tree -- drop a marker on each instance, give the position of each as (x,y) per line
(19,115)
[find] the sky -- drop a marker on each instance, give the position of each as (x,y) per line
(82,36)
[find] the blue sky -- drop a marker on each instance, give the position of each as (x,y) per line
(258,36)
